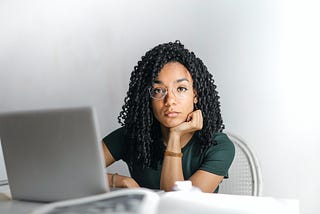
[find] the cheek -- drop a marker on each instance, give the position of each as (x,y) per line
(156,106)
(189,106)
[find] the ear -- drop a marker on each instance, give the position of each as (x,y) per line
(195,98)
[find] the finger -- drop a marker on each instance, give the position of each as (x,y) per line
(194,122)
(199,119)
(189,117)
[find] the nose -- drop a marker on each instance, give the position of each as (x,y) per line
(170,98)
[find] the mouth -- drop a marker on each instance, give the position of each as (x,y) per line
(171,114)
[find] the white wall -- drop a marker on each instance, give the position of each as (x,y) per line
(264,56)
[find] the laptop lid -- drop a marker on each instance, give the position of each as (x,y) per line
(53,155)
(3,173)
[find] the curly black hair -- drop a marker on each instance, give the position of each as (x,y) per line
(145,144)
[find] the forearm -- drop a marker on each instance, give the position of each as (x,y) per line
(172,166)
(116,180)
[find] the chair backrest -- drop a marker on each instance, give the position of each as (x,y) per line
(244,173)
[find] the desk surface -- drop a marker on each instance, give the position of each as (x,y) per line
(184,202)
(15,207)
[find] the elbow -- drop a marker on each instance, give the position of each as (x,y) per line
(166,187)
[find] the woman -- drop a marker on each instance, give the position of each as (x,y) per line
(171,124)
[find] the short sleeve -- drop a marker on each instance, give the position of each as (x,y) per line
(116,143)
(218,158)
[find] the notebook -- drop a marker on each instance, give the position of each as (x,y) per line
(53,154)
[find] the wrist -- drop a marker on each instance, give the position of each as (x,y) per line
(113,180)
(172,154)
(174,140)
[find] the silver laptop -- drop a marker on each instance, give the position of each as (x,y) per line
(53,155)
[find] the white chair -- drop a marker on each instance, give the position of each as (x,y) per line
(244,173)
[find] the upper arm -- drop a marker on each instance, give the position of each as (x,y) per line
(206,181)
(218,158)
(114,146)
(108,158)
(215,165)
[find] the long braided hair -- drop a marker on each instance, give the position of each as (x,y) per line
(145,144)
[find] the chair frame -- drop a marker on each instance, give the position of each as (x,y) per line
(253,162)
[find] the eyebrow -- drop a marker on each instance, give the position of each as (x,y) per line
(177,81)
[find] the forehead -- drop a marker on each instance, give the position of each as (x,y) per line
(173,72)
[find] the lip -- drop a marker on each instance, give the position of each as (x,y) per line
(171,114)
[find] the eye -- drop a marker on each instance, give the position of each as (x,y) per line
(182,89)
(158,90)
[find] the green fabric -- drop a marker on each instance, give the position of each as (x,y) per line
(216,159)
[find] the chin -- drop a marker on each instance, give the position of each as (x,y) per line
(172,123)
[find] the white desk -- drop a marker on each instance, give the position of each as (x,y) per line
(14,207)
(17,207)
(181,202)
(208,203)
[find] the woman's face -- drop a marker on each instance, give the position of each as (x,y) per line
(175,81)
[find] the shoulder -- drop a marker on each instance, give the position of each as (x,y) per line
(115,135)
(116,143)
(219,156)
(223,145)
(222,139)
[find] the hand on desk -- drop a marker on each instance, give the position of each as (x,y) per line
(125,182)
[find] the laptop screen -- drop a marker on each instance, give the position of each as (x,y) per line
(53,154)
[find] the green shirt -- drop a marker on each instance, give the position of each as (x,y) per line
(216,159)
